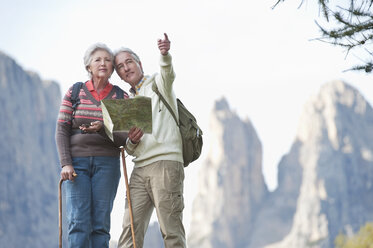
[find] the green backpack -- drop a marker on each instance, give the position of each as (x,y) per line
(191,134)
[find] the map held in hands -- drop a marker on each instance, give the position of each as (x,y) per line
(120,115)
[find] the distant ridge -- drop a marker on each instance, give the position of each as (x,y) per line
(28,158)
(325,181)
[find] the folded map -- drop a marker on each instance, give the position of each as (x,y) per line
(120,115)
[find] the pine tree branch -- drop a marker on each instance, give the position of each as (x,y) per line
(353,26)
(325,9)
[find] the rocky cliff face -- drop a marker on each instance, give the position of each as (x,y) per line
(231,183)
(324,182)
(336,193)
(28,158)
(275,217)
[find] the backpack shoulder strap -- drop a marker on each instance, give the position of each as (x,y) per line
(155,89)
(118,92)
(75,100)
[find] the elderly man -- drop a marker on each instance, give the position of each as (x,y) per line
(157,178)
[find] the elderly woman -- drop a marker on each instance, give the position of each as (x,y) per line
(93,157)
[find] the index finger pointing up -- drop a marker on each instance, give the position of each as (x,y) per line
(165,36)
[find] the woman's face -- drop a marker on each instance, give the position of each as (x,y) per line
(101,65)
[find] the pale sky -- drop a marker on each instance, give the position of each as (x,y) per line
(261,60)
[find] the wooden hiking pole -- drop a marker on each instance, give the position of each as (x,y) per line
(128,196)
(60,210)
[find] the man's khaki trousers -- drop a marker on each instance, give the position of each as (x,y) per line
(158,185)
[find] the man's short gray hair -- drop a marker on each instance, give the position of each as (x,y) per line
(91,50)
(127,50)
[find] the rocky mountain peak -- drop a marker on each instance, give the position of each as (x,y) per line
(335,136)
(326,109)
(325,181)
(221,105)
(231,183)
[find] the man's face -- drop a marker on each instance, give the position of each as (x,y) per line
(128,68)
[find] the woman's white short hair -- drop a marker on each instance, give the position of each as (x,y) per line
(127,50)
(91,50)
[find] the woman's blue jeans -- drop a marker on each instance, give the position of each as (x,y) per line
(89,201)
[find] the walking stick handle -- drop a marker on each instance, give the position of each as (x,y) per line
(60,210)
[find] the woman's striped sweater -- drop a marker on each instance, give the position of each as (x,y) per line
(70,141)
